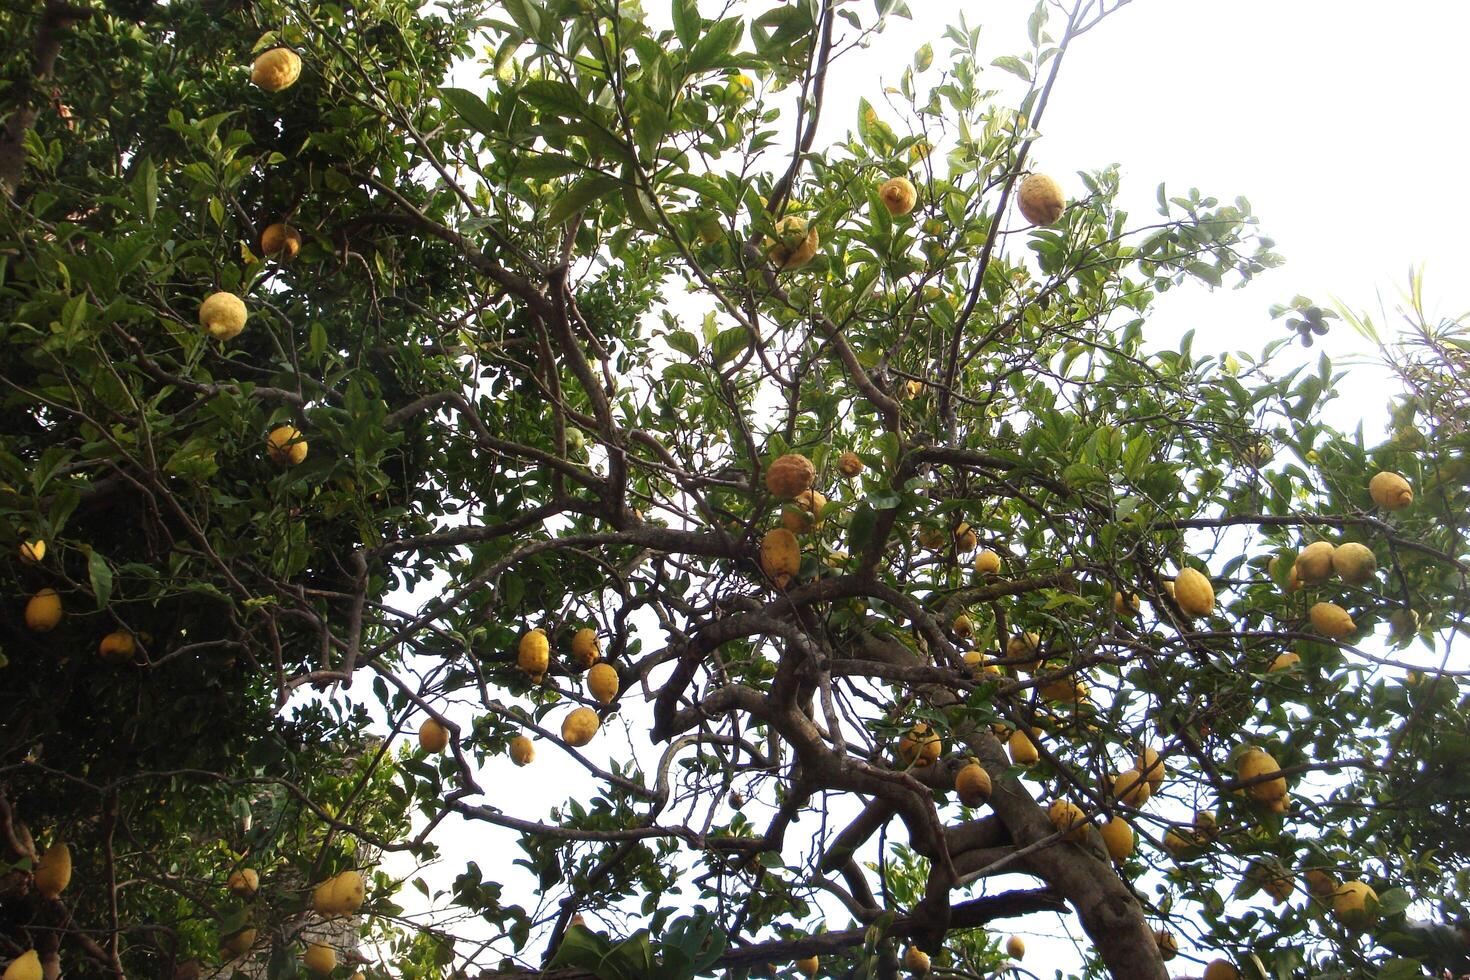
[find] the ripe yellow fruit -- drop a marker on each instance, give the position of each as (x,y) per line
(578,727)
(963,627)
(1314,563)
(585,647)
(804,513)
(965,539)
(244,883)
(1278,886)
(1320,885)
(43,611)
(1177,842)
(1016,948)
(117,647)
(276,69)
(794,245)
(1126,607)
(931,539)
(320,958)
(522,750)
(1221,970)
(849,465)
(239,943)
(1023,750)
(32,551)
(1167,944)
(1041,200)
(912,389)
(916,961)
(341,894)
(972,783)
(1130,788)
(1151,766)
(602,681)
(433,737)
(1354,563)
(780,556)
(1023,645)
(26,966)
(1256,763)
(1284,661)
(898,195)
(790,475)
(808,966)
(53,871)
(285,446)
(987,562)
(1205,824)
(222,315)
(280,242)
(1193,593)
(1390,491)
(1355,905)
(1332,620)
(920,747)
(533,654)
(1117,835)
(1068,819)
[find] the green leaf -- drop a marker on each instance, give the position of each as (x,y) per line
(556,98)
(684,342)
(729,343)
(581,194)
(714,48)
(686,21)
(924,57)
(1013,65)
(472,109)
(100,574)
(545,166)
(526,14)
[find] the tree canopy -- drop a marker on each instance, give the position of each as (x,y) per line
(390,390)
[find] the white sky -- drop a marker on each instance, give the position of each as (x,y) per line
(1338,119)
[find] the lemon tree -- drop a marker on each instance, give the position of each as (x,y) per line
(393,391)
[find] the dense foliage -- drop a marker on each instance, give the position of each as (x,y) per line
(555,312)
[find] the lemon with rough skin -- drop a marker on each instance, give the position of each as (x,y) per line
(32,551)
(1024,645)
(280,242)
(1016,948)
(965,539)
(1130,788)
(579,726)
(1332,620)
(972,783)
(602,681)
(795,244)
(1355,905)
(962,626)
(1152,766)
(239,943)
(1284,661)
(1118,838)
(320,958)
(522,750)
(849,464)
(987,562)
(433,737)
(808,966)
(533,653)
(780,556)
(53,871)
(285,446)
(1167,944)
(244,883)
(920,747)
(1068,819)
(1278,886)
(1314,563)
(585,647)
(1354,563)
(341,894)
(804,513)
(1125,606)
(790,475)
(276,69)
(1022,749)
(117,647)
(26,966)
(898,195)
(1221,970)
(1193,593)
(916,961)
(222,315)
(43,611)
(1040,200)
(1390,491)
(1320,885)
(1256,763)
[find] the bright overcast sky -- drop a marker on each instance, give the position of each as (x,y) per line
(1340,121)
